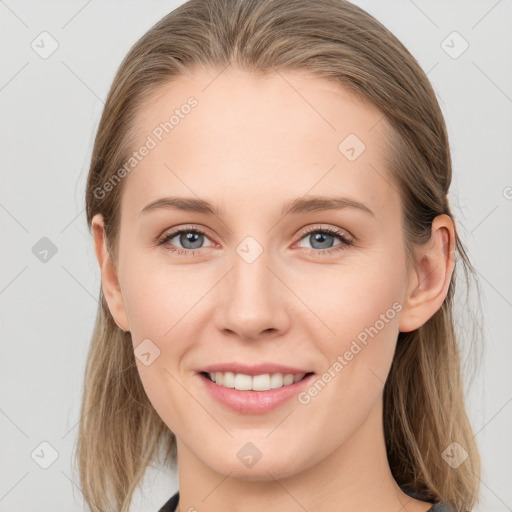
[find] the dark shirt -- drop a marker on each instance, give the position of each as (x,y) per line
(171,505)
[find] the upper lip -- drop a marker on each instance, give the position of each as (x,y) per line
(257,369)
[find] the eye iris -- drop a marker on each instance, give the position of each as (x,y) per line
(191,236)
(321,237)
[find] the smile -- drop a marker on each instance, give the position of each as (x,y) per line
(262,382)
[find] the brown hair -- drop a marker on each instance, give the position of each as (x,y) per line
(120,432)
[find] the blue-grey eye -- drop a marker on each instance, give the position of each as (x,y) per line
(324,240)
(190,239)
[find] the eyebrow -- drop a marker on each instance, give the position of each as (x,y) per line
(186,204)
(299,205)
(314,203)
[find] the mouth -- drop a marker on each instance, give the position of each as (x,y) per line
(260,382)
(253,389)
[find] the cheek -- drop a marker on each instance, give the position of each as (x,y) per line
(361,308)
(159,297)
(348,298)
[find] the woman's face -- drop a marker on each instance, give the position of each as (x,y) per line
(267,279)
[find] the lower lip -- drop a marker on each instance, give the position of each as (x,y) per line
(254,402)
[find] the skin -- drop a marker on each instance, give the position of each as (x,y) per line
(252,144)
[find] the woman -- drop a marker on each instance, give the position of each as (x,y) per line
(268,199)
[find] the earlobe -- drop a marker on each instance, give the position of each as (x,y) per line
(109,278)
(431,276)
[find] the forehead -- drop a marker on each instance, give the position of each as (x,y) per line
(235,137)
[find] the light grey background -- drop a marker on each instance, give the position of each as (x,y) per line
(50,112)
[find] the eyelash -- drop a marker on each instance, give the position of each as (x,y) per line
(345,242)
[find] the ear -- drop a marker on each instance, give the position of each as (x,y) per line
(109,280)
(430,279)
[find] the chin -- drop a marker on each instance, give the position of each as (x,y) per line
(266,468)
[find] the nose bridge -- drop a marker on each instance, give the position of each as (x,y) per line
(253,299)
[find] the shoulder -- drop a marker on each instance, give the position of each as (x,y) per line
(436,507)
(441,507)
(170,506)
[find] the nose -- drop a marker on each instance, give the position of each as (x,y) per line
(253,302)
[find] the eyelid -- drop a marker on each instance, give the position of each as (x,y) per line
(342,233)
(172,232)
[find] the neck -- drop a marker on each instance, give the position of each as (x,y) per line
(356,476)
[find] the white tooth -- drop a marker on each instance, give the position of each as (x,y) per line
(261,382)
(243,382)
(229,380)
(288,379)
(276,380)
